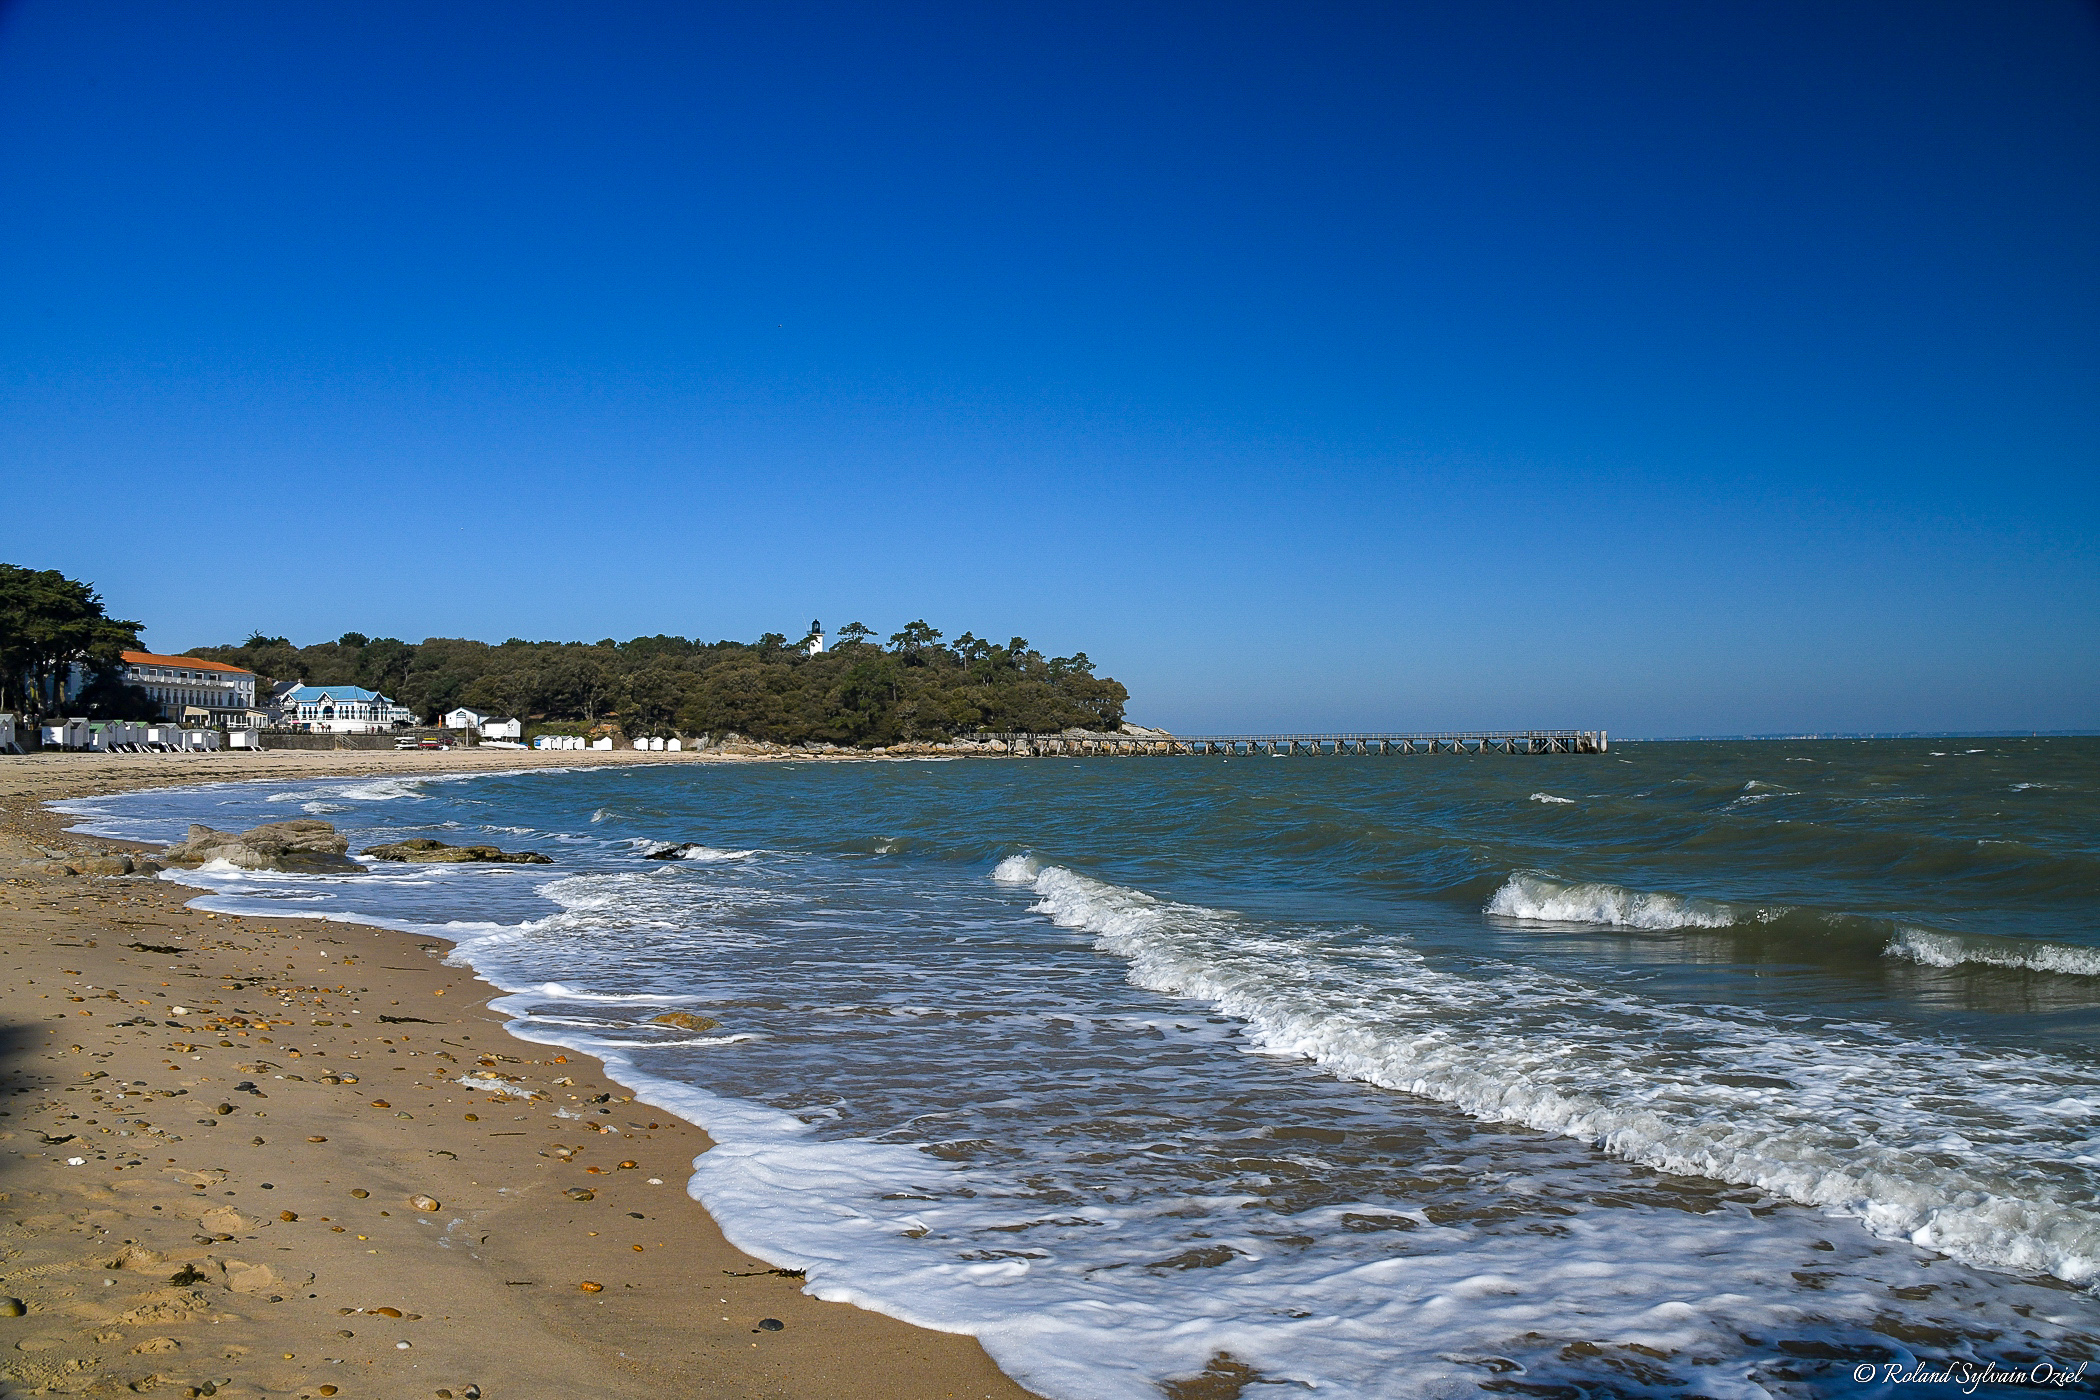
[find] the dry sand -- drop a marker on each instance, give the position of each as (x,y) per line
(216,1131)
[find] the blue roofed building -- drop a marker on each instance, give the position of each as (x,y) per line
(342,709)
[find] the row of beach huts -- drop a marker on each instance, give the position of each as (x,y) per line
(577,741)
(125,736)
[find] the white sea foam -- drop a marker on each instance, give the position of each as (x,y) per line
(561,992)
(880,1225)
(710,855)
(1935,949)
(1652,1083)
(1549,797)
(1017,870)
(1539,898)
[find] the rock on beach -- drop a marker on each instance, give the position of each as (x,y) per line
(303,845)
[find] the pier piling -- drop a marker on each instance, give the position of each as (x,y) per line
(1507,741)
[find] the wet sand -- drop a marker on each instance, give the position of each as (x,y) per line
(237,1158)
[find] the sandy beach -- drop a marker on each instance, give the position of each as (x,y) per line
(240,1159)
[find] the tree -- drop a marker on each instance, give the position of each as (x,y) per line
(110,696)
(383,665)
(914,642)
(854,632)
(653,697)
(50,626)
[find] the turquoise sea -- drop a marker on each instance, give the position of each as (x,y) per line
(1724,1069)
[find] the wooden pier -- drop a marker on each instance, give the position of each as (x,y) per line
(1508,741)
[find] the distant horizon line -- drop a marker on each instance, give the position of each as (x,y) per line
(1871,734)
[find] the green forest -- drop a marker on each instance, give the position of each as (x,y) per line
(915,686)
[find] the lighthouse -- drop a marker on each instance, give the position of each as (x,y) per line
(816,638)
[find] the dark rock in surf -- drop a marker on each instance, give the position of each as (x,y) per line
(678,852)
(421,850)
(686,1020)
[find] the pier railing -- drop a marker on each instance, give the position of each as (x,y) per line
(1508,741)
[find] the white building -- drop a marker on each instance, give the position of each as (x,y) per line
(816,639)
(501,727)
(344,709)
(195,691)
(463,718)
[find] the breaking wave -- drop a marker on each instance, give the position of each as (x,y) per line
(1851,1119)
(1539,898)
(1953,950)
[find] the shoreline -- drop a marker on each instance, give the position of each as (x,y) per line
(212,1234)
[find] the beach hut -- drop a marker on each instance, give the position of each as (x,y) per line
(672,746)
(604,743)
(164,738)
(244,739)
(7,734)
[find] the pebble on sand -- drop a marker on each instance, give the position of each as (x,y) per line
(590,1287)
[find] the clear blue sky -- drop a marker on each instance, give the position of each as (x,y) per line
(1671,368)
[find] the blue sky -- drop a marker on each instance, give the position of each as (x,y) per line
(1657,367)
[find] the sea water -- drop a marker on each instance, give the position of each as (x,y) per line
(1727,1069)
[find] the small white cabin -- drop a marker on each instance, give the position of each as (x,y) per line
(66,734)
(497,726)
(463,718)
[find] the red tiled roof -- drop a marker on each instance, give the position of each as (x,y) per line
(147,658)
